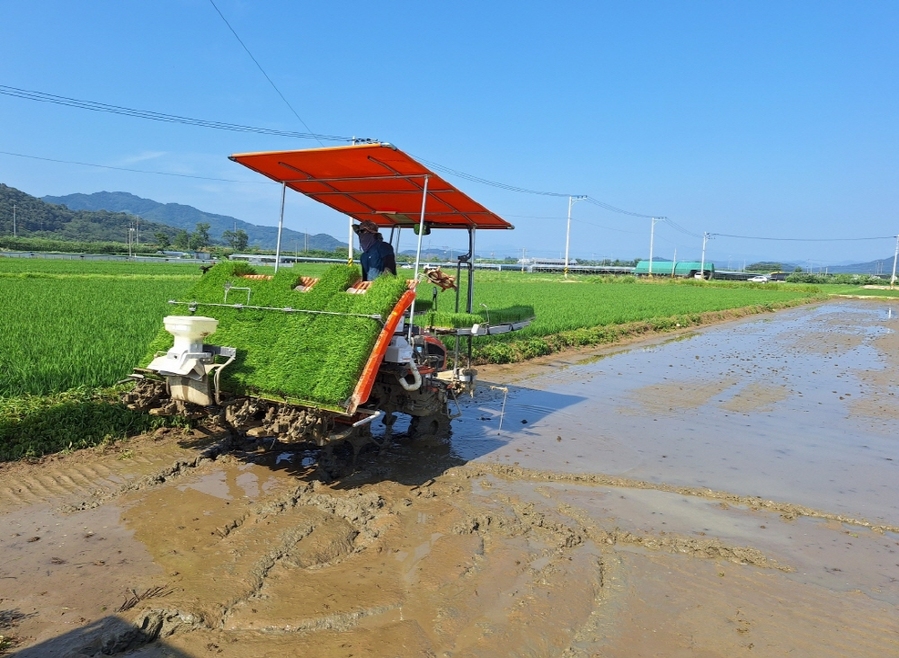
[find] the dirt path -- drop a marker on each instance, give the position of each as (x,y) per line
(182,544)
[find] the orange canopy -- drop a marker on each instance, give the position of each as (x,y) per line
(377,182)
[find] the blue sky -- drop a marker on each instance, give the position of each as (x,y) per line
(769,119)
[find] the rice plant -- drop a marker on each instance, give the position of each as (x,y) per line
(59,332)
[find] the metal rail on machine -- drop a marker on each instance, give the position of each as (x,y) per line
(193,306)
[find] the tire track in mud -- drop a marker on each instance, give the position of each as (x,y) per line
(358,509)
(730,611)
(96,482)
(257,542)
(161,476)
(711,548)
(302,527)
(565,536)
(567,552)
(365,512)
(787,511)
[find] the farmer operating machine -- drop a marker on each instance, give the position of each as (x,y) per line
(316,360)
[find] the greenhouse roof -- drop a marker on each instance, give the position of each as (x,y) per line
(375,182)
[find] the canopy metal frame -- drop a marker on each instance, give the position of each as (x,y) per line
(352,194)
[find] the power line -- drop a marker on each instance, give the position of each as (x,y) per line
(562,217)
(611,208)
(485,181)
(136,171)
(259,66)
(668,221)
(95,106)
(748,237)
(524,190)
(681,229)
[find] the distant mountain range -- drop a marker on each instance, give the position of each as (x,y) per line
(187,217)
(36,218)
(882,266)
(107,216)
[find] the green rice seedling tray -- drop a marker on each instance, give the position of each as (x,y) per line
(314,359)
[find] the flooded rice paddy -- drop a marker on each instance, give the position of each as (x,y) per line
(729,491)
(799,407)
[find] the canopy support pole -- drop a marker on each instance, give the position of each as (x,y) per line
(421,232)
(280,227)
(349,255)
(470,263)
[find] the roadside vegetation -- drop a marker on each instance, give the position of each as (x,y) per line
(835,279)
(70,329)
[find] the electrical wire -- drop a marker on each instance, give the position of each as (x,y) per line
(136,171)
(748,237)
(611,208)
(562,218)
(524,190)
(259,66)
(485,181)
(681,229)
(95,106)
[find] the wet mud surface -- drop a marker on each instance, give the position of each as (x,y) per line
(732,491)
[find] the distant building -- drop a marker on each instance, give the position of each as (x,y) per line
(683,268)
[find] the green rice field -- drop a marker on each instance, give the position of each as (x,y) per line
(591,310)
(64,326)
(69,328)
(88,323)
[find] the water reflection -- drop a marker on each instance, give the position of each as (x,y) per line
(759,407)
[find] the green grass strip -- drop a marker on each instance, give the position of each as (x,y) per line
(521,347)
(32,426)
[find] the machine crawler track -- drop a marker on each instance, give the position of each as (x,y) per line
(340,442)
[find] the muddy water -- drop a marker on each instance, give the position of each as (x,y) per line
(766,407)
(733,490)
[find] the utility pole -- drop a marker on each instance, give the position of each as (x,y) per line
(571,200)
(895,255)
(14,220)
(652,236)
(705,238)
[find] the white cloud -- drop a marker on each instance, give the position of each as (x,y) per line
(140,157)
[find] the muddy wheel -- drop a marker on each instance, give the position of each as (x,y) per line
(147,394)
(435,426)
(336,460)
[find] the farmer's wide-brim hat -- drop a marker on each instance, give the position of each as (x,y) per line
(367,226)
